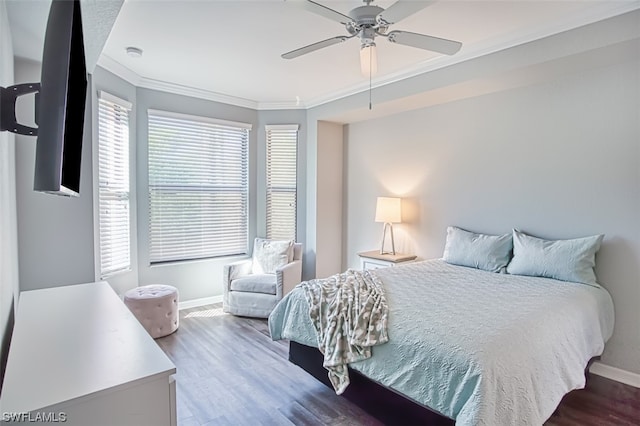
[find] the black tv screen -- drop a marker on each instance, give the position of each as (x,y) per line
(61,104)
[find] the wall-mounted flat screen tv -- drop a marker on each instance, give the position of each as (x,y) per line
(61,105)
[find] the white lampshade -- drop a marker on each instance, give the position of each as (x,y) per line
(388,210)
(368,60)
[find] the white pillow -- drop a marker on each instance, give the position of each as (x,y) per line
(487,252)
(565,260)
(269,255)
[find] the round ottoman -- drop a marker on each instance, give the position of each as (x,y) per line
(156,307)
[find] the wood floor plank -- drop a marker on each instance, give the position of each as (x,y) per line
(230,372)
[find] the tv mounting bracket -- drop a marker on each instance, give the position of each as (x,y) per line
(8,97)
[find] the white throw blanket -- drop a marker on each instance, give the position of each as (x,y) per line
(349,313)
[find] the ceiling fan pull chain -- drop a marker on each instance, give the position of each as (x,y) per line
(370,59)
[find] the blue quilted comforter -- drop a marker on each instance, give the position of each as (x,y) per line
(479,347)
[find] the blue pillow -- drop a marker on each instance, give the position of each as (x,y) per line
(566,260)
(487,252)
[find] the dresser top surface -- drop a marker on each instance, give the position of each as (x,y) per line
(73,341)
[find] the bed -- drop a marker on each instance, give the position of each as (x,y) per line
(479,347)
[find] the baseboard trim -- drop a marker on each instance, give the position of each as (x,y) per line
(617,374)
(188,304)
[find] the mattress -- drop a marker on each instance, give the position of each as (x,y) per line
(479,347)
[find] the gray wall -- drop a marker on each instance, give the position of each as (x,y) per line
(324,196)
(559,159)
(9,287)
(55,233)
(329,199)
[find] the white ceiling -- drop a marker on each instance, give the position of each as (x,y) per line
(231,49)
(28,21)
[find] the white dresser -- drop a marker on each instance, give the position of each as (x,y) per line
(78,355)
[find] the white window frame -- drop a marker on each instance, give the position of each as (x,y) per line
(281,179)
(198,170)
(113,192)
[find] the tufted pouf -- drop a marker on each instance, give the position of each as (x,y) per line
(156,307)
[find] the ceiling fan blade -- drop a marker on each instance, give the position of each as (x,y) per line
(421,41)
(401,9)
(321,10)
(315,46)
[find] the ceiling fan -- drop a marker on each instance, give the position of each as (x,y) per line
(369,21)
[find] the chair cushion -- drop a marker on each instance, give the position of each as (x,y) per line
(269,255)
(257,283)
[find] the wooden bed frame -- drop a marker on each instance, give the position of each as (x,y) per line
(381,402)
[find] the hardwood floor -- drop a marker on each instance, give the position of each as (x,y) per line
(230,372)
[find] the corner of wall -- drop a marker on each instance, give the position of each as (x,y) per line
(8,216)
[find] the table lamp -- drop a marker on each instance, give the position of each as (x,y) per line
(388,211)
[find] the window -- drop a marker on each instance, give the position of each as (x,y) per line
(113,184)
(198,187)
(282,148)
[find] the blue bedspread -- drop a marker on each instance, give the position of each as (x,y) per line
(479,347)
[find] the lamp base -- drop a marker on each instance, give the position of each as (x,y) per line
(384,235)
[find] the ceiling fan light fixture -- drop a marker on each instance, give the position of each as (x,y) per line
(368,60)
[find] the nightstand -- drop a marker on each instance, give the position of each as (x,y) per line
(374,260)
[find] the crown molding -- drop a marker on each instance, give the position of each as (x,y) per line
(281,105)
(118,69)
(604,11)
(130,76)
(178,89)
(135,79)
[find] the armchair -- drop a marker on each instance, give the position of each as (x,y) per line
(254,286)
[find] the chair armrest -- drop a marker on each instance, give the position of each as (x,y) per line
(288,277)
(235,270)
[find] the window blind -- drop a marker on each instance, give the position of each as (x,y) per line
(198,187)
(113,184)
(282,154)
